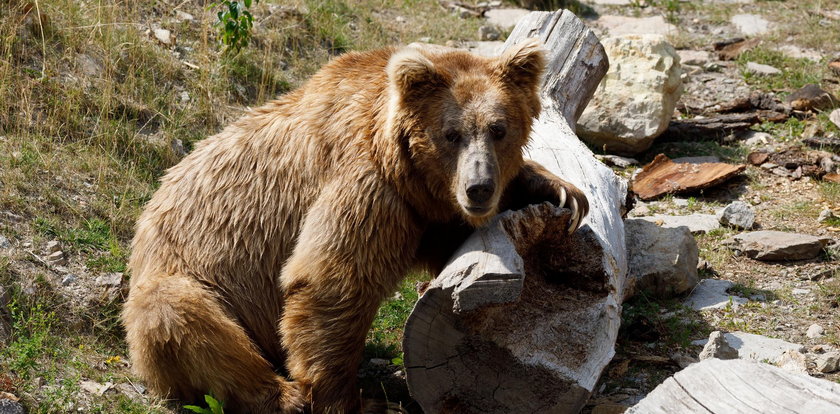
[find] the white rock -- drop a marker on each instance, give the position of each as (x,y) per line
(834,117)
(814,331)
(184,16)
(737,214)
(793,361)
(711,294)
(828,362)
(109,279)
(756,139)
(799,53)
(750,24)
(94,387)
(717,347)
(696,223)
(4,242)
(68,279)
(505,18)
(621,25)
(763,70)
(662,261)
(56,258)
(694,57)
(800,291)
(635,100)
(760,348)
(164,36)
(825,215)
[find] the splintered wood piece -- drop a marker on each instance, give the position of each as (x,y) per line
(739,386)
(524,317)
(663,176)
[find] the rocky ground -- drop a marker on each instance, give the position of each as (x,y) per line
(68,199)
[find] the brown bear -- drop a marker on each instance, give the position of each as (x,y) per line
(259,264)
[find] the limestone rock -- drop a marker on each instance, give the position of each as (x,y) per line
(164,36)
(696,223)
(737,214)
(760,348)
(777,245)
(717,347)
(793,361)
(712,294)
(814,331)
(109,279)
(4,242)
(762,70)
(505,19)
(8,406)
(622,25)
(617,161)
(694,57)
(828,362)
(662,260)
(750,24)
(635,100)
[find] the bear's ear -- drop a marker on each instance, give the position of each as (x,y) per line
(410,71)
(523,64)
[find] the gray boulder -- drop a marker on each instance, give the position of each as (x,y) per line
(717,347)
(663,260)
(737,214)
(712,294)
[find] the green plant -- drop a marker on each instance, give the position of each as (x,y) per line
(213,406)
(235,24)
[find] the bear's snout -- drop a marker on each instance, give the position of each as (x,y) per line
(480,192)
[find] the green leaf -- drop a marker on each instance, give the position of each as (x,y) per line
(234,9)
(197,409)
(247,3)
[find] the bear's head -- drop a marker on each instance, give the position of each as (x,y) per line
(464,120)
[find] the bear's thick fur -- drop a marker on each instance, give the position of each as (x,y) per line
(267,251)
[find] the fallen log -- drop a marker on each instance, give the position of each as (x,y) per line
(739,386)
(524,318)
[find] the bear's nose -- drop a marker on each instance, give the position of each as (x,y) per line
(480,192)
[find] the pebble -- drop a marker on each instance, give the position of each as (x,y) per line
(737,214)
(4,243)
(109,279)
(763,70)
(718,347)
(825,215)
(68,279)
(800,291)
(164,36)
(53,246)
(828,362)
(814,331)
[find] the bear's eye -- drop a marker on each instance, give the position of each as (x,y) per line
(497,132)
(453,136)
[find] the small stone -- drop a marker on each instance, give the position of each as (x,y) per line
(825,215)
(53,246)
(828,362)
(718,347)
(763,70)
(14,218)
(68,279)
(757,139)
(769,166)
(617,161)
(4,242)
(662,261)
(56,258)
(800,291)
(505,18)
(164,36)
(737,214)
(400,19)
(488,32)
(750,24)
(184,16)
(814,331)
(94,387)
(712,294)
(800,53)
(834,117)
(109,279)
(694,57)
(793,361)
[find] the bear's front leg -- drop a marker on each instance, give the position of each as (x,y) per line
(534,184)
(355,245)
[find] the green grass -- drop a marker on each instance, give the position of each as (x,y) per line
(648,320)
(796,73)
(385,337)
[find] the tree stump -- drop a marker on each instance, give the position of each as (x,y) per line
(483,337)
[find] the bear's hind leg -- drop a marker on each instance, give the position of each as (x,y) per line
(185,345)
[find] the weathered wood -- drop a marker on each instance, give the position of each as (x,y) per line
(484,338)
(740,386)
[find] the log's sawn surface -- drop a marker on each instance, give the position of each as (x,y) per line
(737,386)
(486,338)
